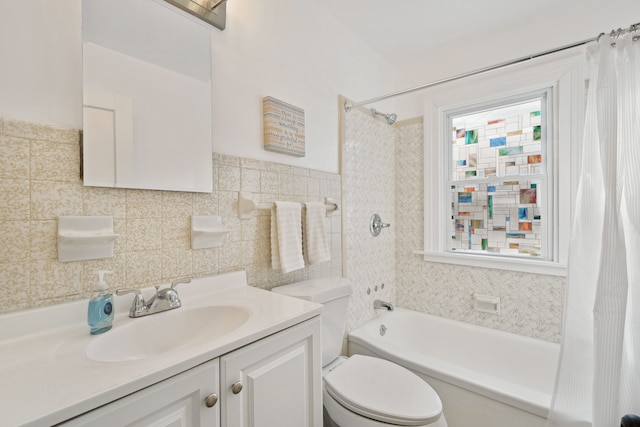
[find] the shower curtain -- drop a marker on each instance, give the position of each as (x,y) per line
(598,377)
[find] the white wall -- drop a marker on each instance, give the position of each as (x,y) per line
(289,49)
(41,61)
(294,51)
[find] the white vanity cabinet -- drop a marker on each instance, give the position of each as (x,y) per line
(275,381)
(175,402)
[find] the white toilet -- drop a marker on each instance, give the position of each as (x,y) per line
(363,391)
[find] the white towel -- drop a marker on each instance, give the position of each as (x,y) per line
(316,246)
(286,236)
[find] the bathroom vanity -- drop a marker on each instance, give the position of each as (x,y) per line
(232,355)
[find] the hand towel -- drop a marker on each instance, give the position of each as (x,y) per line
(286,236)
(316,246)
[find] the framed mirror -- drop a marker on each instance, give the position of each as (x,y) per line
(146,97)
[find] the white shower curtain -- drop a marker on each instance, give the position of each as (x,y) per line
(599,373)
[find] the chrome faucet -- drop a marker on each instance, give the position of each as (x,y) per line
(382,304)
(163,300)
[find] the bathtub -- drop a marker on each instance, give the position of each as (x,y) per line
(485,377)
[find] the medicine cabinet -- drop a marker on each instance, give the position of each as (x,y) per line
(147,99)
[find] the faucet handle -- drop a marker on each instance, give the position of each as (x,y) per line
(170,294)
(125,291)
(138,305)
(177,282)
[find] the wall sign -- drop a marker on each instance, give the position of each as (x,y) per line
(283,127)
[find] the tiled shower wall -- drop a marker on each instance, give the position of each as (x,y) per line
(531,304)
(39,181)
(368,187)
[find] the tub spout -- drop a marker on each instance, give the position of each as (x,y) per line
(382,304)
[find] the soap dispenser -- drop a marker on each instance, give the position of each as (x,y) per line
(100,313)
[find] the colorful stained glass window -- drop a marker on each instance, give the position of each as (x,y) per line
(497,179)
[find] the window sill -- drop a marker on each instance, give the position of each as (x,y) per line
(513,264)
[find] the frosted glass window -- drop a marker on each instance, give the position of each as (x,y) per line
(497,179)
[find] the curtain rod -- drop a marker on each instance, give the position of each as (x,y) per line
(614,33)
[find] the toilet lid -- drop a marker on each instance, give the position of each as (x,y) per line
(383,391)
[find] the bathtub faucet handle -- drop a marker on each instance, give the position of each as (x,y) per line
(377,304)
(376,225)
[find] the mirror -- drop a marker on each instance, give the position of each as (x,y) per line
(146,97)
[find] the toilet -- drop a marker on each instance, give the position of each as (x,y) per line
(363,391)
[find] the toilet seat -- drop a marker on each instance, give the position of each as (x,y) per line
(383,391)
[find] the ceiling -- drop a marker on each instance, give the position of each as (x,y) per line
(401,31)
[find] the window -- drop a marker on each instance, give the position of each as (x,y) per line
(499,188)
(497,177)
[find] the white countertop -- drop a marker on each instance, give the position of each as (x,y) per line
(46,376)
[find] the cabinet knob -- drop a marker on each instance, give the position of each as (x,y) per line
(211,400)
(236,387)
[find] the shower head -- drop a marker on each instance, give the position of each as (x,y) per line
(390,118)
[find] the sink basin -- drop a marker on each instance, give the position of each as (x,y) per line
(160,333)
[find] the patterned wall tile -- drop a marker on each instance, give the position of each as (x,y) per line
(104,201)
(15,294)
(39,131)
(51,199)
(14,241)
(39,181)
(15,199)
(144,204)
(51,279)
(144,268)
(250,180)
(144,234)
(176,204)
(176,232)
(205,203)
(43,241)
(176,264)
(120,228)
(300,185)
(228,177)
(205,261)
(49,161)
(269,182)
(368,188)
(14,158)
(552,296)
(285,184)
(509,303)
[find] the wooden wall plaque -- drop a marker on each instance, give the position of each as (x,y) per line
(283,127)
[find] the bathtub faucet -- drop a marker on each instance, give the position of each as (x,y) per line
(382,304)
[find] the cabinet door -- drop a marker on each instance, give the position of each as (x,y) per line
(275,381)
(176,402)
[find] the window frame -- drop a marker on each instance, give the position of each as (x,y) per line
(563,73)
(549,208)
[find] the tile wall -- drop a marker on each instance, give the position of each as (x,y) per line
(531,303)
(368,174)
(39,168)
(39,181)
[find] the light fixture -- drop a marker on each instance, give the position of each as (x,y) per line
(213,12)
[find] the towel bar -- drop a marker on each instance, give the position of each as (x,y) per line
(248,207)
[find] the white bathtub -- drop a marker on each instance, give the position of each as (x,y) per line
(485,377)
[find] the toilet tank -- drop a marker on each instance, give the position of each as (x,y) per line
(333,293)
